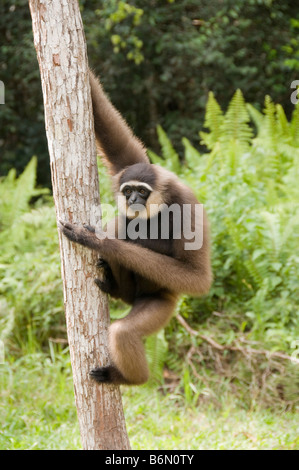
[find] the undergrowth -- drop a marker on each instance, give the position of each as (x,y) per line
(242,338)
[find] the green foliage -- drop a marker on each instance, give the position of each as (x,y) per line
(185,53)
(248,181)
(292,48)
(158,61)
(38,412)
(249,185)
(127,15)
(31,307)
(156,351)
(22,117)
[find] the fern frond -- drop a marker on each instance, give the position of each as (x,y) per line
(154,158)
(294,126)
(156,350)
(257,273)
(273,231)
(256,116)
(213,121)
(192,155)
(283,126)
(172,160)
(16,193)
(235,127)
(270,122)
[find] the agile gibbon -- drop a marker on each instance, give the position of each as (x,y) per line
(148,272)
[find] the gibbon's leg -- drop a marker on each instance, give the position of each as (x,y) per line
(129,365)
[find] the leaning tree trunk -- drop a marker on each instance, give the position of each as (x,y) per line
(61,50)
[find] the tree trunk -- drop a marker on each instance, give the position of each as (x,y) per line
(61,50)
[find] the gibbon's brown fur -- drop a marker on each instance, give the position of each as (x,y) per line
(149,274)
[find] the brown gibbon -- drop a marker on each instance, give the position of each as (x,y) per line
(148,271)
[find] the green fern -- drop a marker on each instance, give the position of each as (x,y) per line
(283,126)
(171,157)
(235,128)
(294,126)
(256,116)
(154,158)
(213,121)
(156,351)
(192,156)
(16,193)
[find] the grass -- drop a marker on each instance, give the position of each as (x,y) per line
(37,411)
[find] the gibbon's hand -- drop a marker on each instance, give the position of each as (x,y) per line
(83,235)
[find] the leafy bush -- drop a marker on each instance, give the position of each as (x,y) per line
(248,181)
(157,60)
(244,332)
(31,307)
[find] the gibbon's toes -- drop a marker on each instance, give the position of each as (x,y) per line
(109,374)
(101,263)
(101,374)
(104,286)
(99,283)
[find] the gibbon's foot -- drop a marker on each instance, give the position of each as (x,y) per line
(105,286)
(108,374)
(102,264)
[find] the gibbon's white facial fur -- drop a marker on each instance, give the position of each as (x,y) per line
(139,184)
(151,207)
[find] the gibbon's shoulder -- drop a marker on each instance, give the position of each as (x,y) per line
(174,189)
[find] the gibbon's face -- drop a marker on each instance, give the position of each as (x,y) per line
(135,195)
(138,194)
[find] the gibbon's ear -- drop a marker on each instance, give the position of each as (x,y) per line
(115,138)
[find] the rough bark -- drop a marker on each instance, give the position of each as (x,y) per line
(61,50)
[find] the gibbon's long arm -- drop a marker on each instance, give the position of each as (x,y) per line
(165,271)
(114,136)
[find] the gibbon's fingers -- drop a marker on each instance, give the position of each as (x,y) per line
(68,230)
(89,227)
(83,235)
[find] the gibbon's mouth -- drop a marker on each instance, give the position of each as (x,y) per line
(136,210)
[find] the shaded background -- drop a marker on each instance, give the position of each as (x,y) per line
(158,60)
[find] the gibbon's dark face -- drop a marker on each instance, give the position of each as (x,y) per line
(137,186)
(136,193)
(135,196)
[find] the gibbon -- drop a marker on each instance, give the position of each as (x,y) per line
(147,272)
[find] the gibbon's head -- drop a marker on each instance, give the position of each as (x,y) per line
(138,191)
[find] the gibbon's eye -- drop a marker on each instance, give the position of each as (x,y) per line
(127,191)
(143,192)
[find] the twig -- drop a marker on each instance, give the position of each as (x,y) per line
(245,351)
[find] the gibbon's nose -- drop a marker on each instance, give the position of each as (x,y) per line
(133,198)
